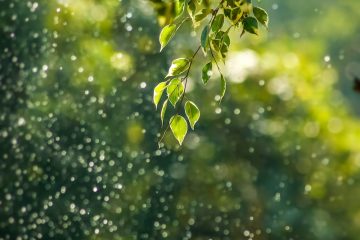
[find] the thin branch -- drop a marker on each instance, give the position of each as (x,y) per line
(185,78)
(216,63)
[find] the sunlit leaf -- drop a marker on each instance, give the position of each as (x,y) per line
(251,25)
(206,72)
(158,91)
(178,127)
(178,66)
(261,15)
(223,86)
(192,113)
(201,15)
(166,35)
(163,110)
(179,7)
(175,90)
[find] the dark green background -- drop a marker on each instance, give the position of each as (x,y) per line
(278,159)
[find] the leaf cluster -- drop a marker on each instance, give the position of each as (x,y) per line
(214,43)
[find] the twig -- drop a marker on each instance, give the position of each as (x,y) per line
(185,78)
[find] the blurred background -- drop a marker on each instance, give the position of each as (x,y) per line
(279,158)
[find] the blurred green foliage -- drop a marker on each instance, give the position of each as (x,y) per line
(278,159)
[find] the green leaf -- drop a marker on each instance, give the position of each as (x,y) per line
(178,127)
(166,35)
(219,35)
(158,91)
(205,38)
(224,50)
(251,25)
(215,44)
(201,15)
(223,87)
(179,8)
(261,15)
(227,12)
(192,113)
(236,14)
(175,90)
(191,8)
(226,39)
(217,23)
(163,110)
(178,66)
(206,72)
(223,38)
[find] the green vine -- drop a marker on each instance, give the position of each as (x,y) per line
(228,14)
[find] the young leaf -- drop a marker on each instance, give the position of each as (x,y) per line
(178,66)
(166,35)
(251,25)
(174,91)
(178,127)
(206,72)
(201,15)
(163,110)
(192,113)
(205,38)
(158,91)
(223,87)
(217,23)
(261,15)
